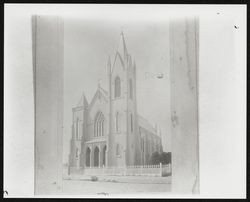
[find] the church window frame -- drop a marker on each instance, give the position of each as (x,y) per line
(142,144)
(118,150)
(117,122)
(77,128)
(131,123)
(77,153)
(117,87)
(99,124)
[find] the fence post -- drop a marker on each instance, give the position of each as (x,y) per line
(160,169)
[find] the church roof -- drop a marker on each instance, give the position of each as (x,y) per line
(144,123)
(104,91)
(99,92)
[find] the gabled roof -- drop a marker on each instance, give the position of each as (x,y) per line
(104,91)
(118,57)
(99,92)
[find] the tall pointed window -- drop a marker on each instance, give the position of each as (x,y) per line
(99,125)
(131,122)
(142,144)
(77,152)
(117,122)
(130,89)
(77,128)
(118,152)
(117,87)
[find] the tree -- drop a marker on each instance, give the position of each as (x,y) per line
(165,157)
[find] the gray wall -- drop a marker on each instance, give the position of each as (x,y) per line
(184,105)
(48,81)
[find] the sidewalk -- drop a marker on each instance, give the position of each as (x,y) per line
(123,179)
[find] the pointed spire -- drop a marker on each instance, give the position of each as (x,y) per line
(83,101)
(122,49)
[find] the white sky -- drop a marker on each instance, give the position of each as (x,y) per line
(89,42)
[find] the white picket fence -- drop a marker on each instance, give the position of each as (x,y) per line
(142,170)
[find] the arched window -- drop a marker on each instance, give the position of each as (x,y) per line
(118,150)
(77,128)
(117,122)
(77,152)
(117,87)
(102,132)
(142,144)
(99,125)
(130,89)
(131,122)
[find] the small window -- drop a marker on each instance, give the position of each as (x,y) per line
(117,87)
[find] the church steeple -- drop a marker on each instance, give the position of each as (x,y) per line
(122,49)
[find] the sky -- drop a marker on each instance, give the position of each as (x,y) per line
(87,45)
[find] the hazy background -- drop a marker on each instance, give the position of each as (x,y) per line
(89,42)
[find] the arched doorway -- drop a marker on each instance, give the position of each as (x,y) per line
(96,156)
(88,157)
(104,151)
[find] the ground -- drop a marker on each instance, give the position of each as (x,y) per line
(116,185)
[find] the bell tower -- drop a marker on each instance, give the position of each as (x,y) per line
(123,128)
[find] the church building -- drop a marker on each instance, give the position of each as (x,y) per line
(108,131)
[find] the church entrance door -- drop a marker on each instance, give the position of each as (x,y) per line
(104,155)
(96,157)
(88,157)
